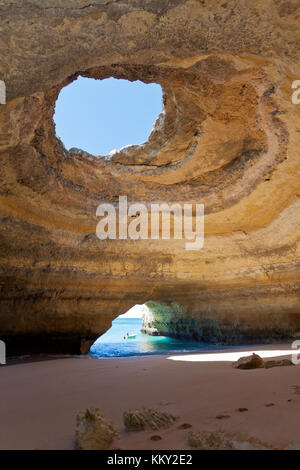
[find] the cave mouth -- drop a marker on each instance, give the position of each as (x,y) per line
(103,116)
(115,342)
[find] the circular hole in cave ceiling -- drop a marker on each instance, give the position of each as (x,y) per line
(100,116)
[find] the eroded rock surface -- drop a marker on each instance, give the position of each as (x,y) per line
(249,362)
(229,138)
(93,431)
(139,420)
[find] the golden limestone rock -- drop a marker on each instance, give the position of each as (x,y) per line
(219,440)
(228,138)
(93,431)
(139,420)
(249,362)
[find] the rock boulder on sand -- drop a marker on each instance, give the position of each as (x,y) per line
(93,431)
(207,440)
(140,420)
(249,362)
(218,440)
(278,363)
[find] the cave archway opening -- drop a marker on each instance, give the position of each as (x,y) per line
(125,337)
(132,334)
(103,116)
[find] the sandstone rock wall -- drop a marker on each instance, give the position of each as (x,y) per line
(229,138)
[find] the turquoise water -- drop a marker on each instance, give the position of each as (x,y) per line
(113,344)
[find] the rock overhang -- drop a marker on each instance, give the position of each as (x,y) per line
(228,138)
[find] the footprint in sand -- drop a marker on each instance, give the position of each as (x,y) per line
(185,426)
(242,410)
(156,438)
(269,404)
(222,416)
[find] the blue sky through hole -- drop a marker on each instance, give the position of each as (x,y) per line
(99,116)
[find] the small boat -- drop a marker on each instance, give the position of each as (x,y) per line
(128,336)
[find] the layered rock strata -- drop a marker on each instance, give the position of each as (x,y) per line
(228,137)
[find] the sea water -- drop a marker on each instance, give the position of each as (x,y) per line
(114,344)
